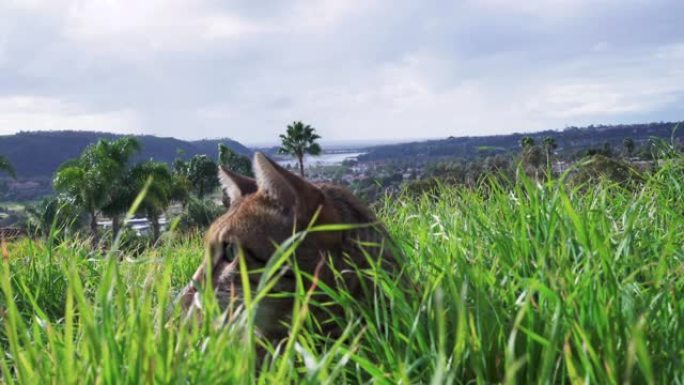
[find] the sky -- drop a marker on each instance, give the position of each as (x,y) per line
(354,70)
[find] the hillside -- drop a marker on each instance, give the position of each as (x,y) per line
(569,140)
(539,284)
(38,154)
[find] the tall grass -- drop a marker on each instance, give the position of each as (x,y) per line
(544,284)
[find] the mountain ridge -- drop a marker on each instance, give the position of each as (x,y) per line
(40,153)
(570,140)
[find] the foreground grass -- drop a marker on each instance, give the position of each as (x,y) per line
(541,285)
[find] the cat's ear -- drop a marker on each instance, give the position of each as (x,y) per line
(234,185)
(285,187)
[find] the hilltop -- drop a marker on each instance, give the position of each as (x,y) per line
(38,154)
(569,140)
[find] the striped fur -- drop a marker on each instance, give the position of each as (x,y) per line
(263,214)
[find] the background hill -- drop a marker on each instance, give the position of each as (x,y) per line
(38,154)
(569,140)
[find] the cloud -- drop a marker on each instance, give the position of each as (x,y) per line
(353,69)
(40,113)
(152,25)
(645,80)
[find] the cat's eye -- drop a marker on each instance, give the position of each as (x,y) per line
(228,251)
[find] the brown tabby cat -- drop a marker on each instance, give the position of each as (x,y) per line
(263,213)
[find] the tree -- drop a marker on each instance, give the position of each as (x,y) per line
(121,196)
(97,180)
(202,174)
(532,156)
(181,183)
(199,214)
(235,162)
(54,216)
(158,196)
(180,189)
(6,167)
(86,181)
(526,142)
(597,167)
(628,146)
(608,149)
(180,167)
(549,146)
(299,140)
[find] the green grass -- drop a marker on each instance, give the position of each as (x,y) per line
(542,285)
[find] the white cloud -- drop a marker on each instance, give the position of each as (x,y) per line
(352,68)
(152,25)
(548,8)
(324,14)
(41,6)
(146,27)
(41,113)
(432,95)
(595,100)
(641,82)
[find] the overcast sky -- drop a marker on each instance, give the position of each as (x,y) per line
(363,69)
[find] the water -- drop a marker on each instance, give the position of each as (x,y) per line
(322,160)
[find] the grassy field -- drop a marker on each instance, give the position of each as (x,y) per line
(540,285)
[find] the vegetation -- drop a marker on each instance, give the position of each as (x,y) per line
(55,218)
(199,214)
(549,147)
(535,283)
(88,181)
(512,274)
(157,183)
(202,174)
(628,146)
(121,189)
(35,174)
(235,162)
(56,147)
(103,182)
(570,141)
(6,167)
(299,140)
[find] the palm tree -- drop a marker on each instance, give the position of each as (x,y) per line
(300,139)
(532,156)
(97,180)
(6,167)
(159,193)
(526,142)
(121,196)
(180,189)
(549,146)
(86,181)
(182,186)
(55,216)
(629,145)
(202,174)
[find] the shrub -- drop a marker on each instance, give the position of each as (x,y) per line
(199,214)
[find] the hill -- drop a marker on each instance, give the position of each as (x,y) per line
(569,141)
(537,284)
(39,153)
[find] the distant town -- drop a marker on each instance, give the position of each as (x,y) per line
(369,171)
